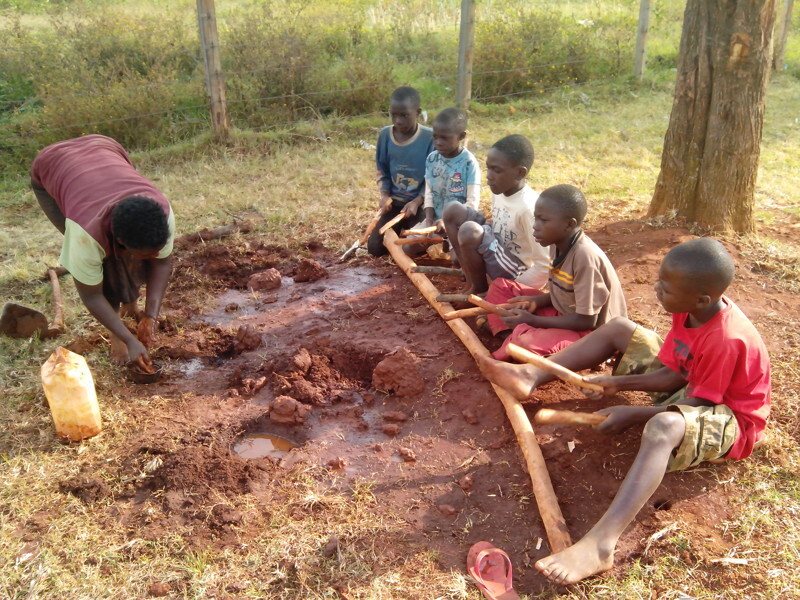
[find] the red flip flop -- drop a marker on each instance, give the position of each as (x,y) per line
(490,568)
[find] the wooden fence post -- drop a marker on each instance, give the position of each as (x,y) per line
(466,47)
(782,34)
(640,59)
(207,23)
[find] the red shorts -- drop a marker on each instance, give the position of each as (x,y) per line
(537,340)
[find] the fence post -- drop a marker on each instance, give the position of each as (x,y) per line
(207,23)
(466,46)
(640,59)
(782,34)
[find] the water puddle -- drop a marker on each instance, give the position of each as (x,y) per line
(190,368)
(263,445)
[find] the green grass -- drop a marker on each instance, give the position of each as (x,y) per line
(605,137)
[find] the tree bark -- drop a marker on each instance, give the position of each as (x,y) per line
(713,142)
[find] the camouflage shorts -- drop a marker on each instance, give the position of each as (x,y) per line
(710,430)
(710,433)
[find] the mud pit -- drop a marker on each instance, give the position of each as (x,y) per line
(427,431)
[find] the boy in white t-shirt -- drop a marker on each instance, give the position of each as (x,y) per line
(506,247)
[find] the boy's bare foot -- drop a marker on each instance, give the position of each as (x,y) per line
(119,351)
(519,380)
(579,561)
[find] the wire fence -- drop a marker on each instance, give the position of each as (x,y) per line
(152,89)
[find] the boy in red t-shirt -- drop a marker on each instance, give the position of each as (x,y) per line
(713,367)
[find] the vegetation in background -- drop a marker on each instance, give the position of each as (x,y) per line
(134,71)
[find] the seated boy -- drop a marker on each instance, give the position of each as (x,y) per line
(584,291)
(400,156)
(712,349)
(452,173)
(506,248)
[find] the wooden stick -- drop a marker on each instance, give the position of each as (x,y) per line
(452,297)
(557,533)
(59,272)
(58,318)
(433,239)
(211,234)
(422,231)
(547,416)
(370,228)
(437,271)
(489,307)
(563,373)
(473,312)
(363,239)
(389,224)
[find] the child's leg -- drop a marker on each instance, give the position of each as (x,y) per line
(470,237)
(594,553)
(375,242)
(454,215)
(543,342)
(589,351)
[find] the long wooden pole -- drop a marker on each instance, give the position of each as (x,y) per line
(466,51)
(554,524)
(640,57)
(207,24)
(781,35)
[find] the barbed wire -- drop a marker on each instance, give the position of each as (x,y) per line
(95,91)
(114,120)
(546,89)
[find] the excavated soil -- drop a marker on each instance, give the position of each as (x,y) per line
(355,367)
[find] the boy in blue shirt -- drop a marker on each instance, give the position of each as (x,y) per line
(400,157)
(452,173)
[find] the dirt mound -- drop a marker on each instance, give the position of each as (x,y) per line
(309,270)
(183,339)
(203,471)
(87,489)
(230,265)
(322,374)
(399,373)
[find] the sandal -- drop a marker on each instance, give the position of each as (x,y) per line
(490,568)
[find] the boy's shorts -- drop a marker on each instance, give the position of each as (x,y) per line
(497,258)
(710,430)
(710,433)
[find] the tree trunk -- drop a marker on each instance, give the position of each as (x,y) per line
(712,146)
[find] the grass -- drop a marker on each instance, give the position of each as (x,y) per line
(604,137)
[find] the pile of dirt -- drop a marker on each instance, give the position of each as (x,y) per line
(322,375)
(203,471)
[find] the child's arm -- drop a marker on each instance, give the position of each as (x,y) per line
(534,303)
(384,175)
(660,380)
(573,322)
(621,418)
(412,206)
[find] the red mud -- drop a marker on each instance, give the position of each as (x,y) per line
(438,449)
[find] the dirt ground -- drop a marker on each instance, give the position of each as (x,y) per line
(302,361)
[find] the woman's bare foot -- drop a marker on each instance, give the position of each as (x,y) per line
(579,561)
(520,380)
(119,351)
